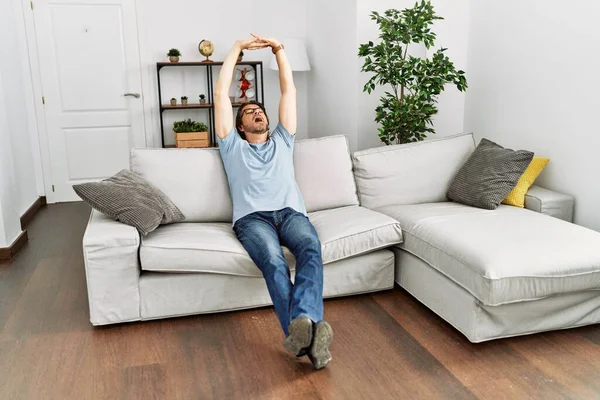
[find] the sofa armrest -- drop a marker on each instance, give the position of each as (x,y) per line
(112,270)
(549,202)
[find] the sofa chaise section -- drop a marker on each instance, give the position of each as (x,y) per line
(479,322)
(501,256)
(490,273)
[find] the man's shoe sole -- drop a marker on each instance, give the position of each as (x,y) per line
(300,333)
(319,350)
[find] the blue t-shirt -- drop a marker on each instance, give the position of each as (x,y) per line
(261,175)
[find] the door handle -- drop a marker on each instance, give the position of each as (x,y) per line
(136,95)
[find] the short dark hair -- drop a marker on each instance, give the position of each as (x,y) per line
(240,115)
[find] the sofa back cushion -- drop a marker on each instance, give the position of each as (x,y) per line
(194,180)
(410,173)
(323,170)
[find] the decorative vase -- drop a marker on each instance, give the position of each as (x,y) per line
(174,59)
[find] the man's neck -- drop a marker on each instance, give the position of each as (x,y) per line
(257,138)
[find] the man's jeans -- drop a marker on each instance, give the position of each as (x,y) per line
(262,234)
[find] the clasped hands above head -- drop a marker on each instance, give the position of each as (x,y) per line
(257,42)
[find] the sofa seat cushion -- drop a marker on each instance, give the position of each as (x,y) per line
(349,231)
(501,256)
(213,247)
(197,247)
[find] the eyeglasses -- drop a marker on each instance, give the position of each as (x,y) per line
(248,111)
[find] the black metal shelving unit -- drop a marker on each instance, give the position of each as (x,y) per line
(260,95)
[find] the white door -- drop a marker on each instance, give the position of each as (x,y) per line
(91,81)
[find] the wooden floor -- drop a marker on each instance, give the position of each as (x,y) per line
(386,345)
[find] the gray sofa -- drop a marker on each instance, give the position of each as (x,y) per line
(382,216)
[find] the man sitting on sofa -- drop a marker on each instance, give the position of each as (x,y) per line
(268,209)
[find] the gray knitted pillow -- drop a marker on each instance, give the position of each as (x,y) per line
(129,198)
(489,174)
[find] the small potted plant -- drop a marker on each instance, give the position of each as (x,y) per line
(240,56)
(190,133)
(174,55)
(184,100)
(173,101)
(202,99)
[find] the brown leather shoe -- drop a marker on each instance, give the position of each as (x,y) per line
(318,352)
(300,334)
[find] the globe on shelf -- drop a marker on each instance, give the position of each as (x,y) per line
(206,48)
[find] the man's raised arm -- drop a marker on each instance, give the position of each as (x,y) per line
(223,112)
(287,103)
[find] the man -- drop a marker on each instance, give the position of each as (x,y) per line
(268,209)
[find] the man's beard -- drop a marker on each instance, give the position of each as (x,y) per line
(257,129)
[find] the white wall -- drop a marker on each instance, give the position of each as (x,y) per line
(9,221)
(533,68)
(18,188)
(183,24)
(453,34)
(17,95)
(332,83)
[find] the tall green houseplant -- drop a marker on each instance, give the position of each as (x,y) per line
(406,111)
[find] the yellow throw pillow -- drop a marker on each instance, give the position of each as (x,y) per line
(516,197)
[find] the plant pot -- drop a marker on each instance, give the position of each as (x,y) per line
(184,102)
(173,102)
(174,59)
(192,139)
(202,101)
